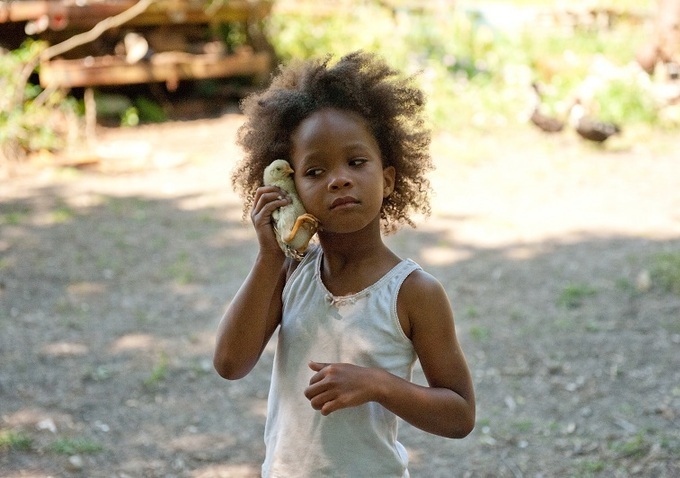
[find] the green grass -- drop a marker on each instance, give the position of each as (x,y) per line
(15,214)
(62,214)
(590,467)
(574,295)
(75,446)
(471,312)
(159,373)
(12,440)
(634,447)
(13,218)
(182,270)
(480,333)
(666,271)
(127,207)
(523,426)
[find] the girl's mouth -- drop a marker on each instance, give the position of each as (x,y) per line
(344,201)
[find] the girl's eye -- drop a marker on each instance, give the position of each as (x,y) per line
(313,172)
(358,161)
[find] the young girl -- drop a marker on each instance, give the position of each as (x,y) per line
(352,316)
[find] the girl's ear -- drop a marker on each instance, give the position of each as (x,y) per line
(389,177)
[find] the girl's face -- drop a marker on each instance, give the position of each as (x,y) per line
(339,174)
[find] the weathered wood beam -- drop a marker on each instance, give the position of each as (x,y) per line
(167,67)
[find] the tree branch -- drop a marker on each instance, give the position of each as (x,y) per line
(96,31)
(76,41)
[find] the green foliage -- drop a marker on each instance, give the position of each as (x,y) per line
(130,113)
(305,35)
(447,51)
(233,34)
(34,119)
(474,72)
(130,117)
(627,99)
(150,111)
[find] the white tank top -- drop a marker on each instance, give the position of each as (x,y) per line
(362,329)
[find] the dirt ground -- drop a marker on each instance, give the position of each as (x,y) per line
(113,279)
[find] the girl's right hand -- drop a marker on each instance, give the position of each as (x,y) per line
(267,200)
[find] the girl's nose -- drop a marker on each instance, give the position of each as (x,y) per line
(339,181)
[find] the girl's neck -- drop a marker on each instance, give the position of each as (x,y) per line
(352,262)
(353,247)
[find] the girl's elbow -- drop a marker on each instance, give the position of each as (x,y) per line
(464,430)
(463,426)
(228,369)
(458,432)
(467,416)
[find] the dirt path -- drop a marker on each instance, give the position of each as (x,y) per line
(111,285)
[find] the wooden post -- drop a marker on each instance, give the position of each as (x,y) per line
(90,116)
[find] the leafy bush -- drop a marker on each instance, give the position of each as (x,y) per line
(449,51)
(32,119)
(473,72)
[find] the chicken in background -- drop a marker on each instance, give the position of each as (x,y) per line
(542,120)
(589,127)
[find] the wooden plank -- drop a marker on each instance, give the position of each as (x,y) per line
(110,70)
(164,12)
(22,11)
(169,13)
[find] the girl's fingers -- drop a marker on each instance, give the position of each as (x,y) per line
(323,403)
(264,205)
(317,366)
(268,201)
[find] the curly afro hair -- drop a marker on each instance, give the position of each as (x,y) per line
(360,82)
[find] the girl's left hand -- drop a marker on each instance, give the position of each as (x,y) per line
(339,385)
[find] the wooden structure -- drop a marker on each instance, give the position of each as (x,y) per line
(169,69)
(179,40)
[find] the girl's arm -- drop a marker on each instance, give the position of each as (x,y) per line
(250,320)
(447,406)
(255,312)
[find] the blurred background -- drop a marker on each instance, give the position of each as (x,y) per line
(182,59)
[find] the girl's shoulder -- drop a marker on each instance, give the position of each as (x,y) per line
(420,281)
(421,299)
(422,292)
